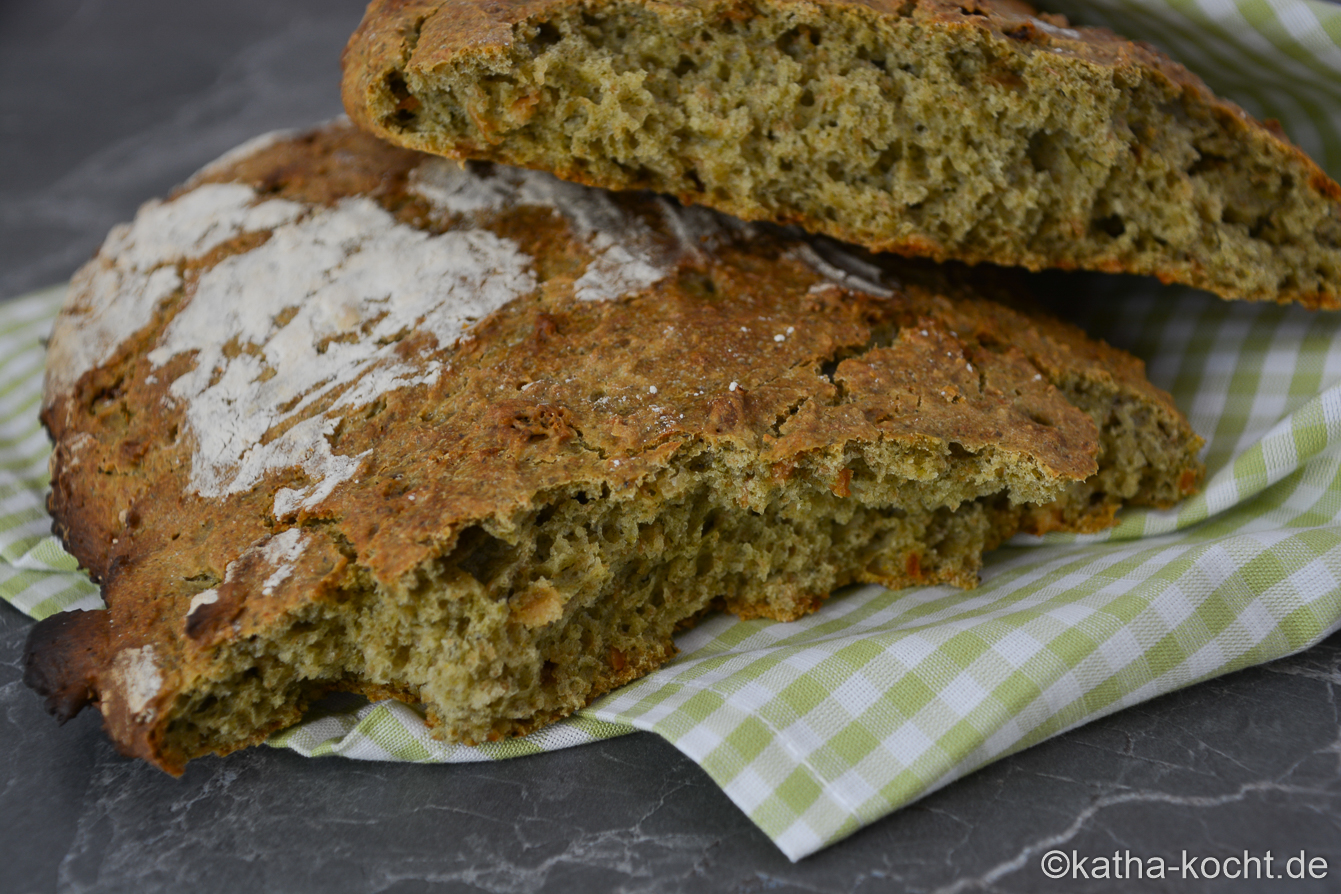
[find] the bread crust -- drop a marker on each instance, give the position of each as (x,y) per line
(580,350)
(404,54)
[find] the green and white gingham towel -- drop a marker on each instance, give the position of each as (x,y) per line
(818,727)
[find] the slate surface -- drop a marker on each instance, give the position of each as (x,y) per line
(105,103)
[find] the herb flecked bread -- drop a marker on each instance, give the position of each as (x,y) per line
(976,130)
(342,416)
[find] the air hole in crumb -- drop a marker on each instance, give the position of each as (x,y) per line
(864,54)
(406,104)
(1206,162)
(546,36)
(1044,152)
(889,158)
(480,554)
(1112,225)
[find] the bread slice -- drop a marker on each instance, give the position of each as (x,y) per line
(338,415)
(975,131)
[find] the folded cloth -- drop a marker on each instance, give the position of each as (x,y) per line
(818,727)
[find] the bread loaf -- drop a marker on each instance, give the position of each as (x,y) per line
(342,416)
(975,131)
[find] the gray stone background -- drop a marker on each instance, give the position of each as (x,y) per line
(106,103)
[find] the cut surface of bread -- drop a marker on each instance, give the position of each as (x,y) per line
(342,416)
(973,131)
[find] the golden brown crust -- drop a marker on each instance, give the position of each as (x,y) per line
(400,47)
(750,343)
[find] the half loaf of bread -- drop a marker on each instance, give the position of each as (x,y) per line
(972,130)
(338,415)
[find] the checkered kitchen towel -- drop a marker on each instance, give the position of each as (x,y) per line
(818,727)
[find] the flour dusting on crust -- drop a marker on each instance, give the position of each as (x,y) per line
(242,151)
(281,552)
(115,295)
(270,333)
(203,598)
(842,269)
(628,256)
(137,671)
